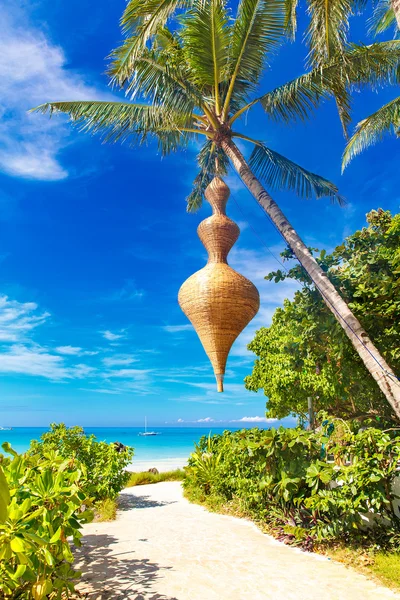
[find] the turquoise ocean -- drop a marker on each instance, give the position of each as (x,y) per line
(170,448)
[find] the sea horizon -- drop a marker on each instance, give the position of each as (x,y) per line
(168,450)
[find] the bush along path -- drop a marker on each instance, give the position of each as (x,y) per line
(162,547)
(45,496)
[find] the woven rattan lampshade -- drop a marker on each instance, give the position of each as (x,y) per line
(217,300)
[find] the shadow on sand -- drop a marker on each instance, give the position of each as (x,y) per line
(128,501)
(118,576)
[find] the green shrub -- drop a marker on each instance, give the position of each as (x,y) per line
(205,462)
(146,477)
(105,465)
(106,510)
(307,486)
(42,502)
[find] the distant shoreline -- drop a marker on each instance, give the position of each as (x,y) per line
(161,464)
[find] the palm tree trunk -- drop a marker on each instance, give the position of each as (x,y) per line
(369,354)
(396,10)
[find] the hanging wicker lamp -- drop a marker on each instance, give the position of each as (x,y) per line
(217,300)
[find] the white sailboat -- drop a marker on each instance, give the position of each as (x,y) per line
(145,432)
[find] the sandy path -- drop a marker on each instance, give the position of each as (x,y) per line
(163,548)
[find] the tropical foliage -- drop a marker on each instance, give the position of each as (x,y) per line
(202,74)
(105,475)
(385,120)
(306,353)
(384,18)
(42,498)
(373,129)
(306,486)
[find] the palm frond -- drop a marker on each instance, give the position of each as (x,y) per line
(141,20)
(373,65)
(121,122)
(212,161)
(343,104)
(205,37)
(166,41)
(372,129)
(382,18)
(295,99)
(162,82)
(257,32)
(291,18)
(280,173)
(328,29)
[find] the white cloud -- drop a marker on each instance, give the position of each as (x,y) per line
(180,421)
(31,161)
(75,351)
(137,374)
(69,350)
(81,371)
(33,70)
(17,319)
(177,328)
(119,360)
(20,354)
(206,420)
(253,420)
(32,361)
(112,337)
(35,360)
(128,292)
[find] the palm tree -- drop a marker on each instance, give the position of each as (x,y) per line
(387,118)
(198,78)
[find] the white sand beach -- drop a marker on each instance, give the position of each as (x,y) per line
(161,547)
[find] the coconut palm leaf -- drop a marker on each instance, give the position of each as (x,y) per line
(361,65)
(155,79)
(328,28)
(256,34)
(141,20)
(124,122)
(281,173)
(372,129)
(186,76)
(291,18)
(205,36)
(212,161)
(382,18)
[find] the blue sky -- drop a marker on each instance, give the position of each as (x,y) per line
(95,241)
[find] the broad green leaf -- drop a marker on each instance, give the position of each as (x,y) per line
(8,448)
(20,570)
(49,558)
(56,536)
(4,496)
(5,551)
(17,544)
(41,589)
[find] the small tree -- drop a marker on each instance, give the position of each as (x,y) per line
(105,463)
(305,352)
